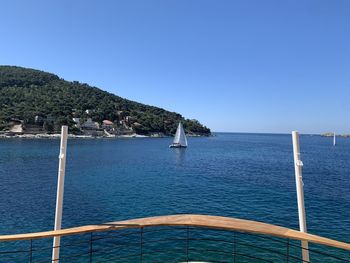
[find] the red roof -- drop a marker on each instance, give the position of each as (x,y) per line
(107,122)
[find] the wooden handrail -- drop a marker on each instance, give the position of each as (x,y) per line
(206,221)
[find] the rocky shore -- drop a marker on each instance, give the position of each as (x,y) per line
(73,136)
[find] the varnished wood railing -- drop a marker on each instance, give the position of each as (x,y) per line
(188,220)
(174,238)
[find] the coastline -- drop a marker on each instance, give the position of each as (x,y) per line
(73,136)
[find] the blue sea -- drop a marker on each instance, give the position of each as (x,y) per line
(248,176)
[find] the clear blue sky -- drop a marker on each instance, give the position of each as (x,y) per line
(254,66)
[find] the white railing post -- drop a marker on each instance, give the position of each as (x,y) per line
(300,193)
(60,191)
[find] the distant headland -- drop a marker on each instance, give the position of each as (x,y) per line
(331,134)
(37,103)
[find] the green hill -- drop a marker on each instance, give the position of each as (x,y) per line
(34,96)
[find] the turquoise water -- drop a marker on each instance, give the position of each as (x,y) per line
(249,176)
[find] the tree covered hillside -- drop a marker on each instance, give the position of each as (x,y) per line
(29,95)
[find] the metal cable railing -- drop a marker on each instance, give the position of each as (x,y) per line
(172,243)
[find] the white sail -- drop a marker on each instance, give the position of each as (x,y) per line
(180,137)
(334,139)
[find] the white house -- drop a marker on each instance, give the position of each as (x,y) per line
(77,122)
(90,125)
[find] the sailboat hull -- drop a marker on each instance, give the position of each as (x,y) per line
(174,145)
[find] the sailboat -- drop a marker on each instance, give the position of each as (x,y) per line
(334,139)
(180,140)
